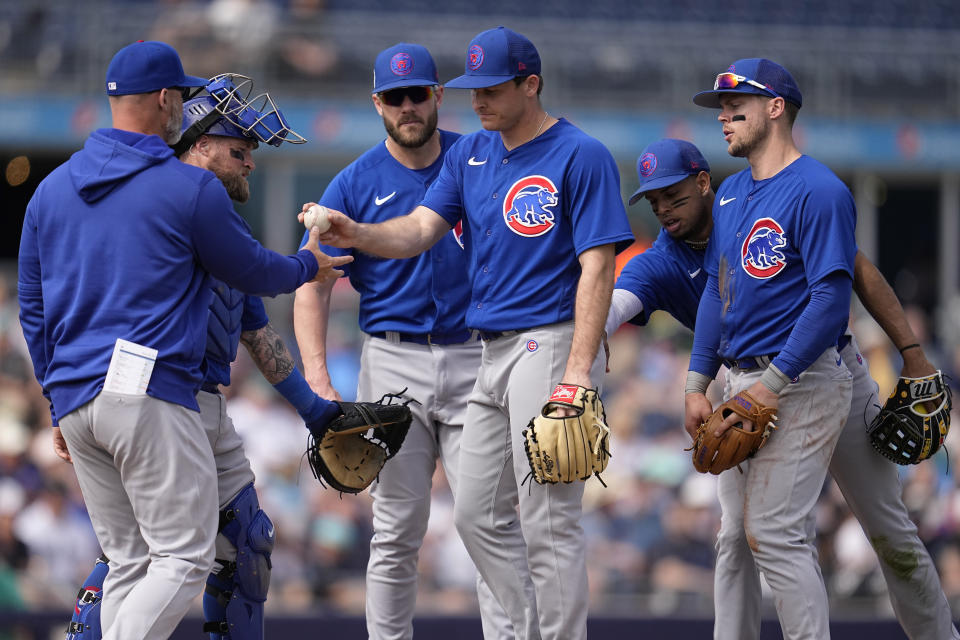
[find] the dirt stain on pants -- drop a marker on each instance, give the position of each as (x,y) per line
(903,563)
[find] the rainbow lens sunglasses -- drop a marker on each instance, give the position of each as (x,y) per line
(731,80)
(395,97)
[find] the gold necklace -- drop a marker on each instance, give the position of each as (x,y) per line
(545,114)
(697,245)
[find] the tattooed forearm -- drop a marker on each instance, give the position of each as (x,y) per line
(269,353)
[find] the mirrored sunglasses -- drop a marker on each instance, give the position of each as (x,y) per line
(731,80)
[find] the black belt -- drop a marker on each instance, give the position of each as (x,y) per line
(844,341)
(210,387)
(493,335)
(441,339)
(749,362)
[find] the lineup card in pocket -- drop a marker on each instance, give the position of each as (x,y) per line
(130,368)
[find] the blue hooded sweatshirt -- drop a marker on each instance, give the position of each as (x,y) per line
(118,243)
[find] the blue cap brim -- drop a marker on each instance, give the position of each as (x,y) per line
(658,183)
(194,81)
(413,82)
(470,81)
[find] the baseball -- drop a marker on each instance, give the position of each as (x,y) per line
(316,216)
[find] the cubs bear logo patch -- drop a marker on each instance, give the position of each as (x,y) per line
(475,57)
(528,206)
(647,164)
(401,64)
(761,254)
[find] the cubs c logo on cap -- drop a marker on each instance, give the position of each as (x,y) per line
(648,164)
(761,255)
(475,57)
(527,209)
(401,64)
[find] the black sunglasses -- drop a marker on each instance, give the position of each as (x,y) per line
(185,92)
(395,97)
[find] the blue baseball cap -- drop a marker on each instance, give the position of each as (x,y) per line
(496,56)
(404,65)
(757,76)
(666,162)
(143,67)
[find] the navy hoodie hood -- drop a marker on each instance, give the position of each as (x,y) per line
(112,156)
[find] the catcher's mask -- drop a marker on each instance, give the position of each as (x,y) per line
(228,110)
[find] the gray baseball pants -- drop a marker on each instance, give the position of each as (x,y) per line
(766,509)
(148,478)
(871,486)
(233,467)
(527,543)
(439,378)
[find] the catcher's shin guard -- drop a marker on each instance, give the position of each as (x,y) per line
(234,596)
(85,622)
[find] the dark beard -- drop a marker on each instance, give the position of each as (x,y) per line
(237,187)
(413,141)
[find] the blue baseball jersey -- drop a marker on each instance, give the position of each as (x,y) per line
(527,214)
(668,276)
(424,294)
(771,240)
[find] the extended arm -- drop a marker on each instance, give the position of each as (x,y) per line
(590,313)
(879,299)
(311,314)
(270,354)
(400,237)
(623,305)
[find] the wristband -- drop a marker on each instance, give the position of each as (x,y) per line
(697,382)
(774,379)
(915,345)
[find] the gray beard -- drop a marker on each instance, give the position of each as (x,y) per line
(171,132)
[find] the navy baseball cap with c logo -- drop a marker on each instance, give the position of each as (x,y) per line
(495,56)
(144,67)
(404,65)
(666,162)
(757,76)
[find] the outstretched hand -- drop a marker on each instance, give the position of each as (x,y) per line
(326,264)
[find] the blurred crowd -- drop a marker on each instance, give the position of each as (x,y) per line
(650,531)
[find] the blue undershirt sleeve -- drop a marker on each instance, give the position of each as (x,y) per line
(311,407)
(819,326)
(706,337)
